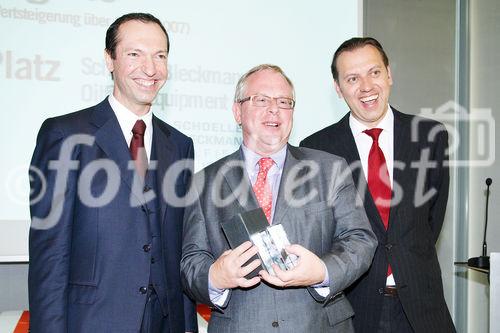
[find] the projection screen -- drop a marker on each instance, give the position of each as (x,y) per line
(51,63)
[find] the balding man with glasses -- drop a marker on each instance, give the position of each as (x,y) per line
(309,193)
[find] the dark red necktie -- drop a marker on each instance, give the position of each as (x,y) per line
(378,179)
(262,188)
(137,150)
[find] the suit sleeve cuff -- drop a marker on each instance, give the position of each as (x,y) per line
(217,296)
(323,288)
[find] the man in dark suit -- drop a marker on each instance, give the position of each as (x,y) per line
(105,240)
(398,162)
(309,193)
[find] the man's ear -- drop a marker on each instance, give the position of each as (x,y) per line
(237,112)
(389,75)
(109,61)
(337,89)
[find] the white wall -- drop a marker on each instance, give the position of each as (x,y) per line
(484,88)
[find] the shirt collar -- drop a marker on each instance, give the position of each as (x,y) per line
(127,118)
(386,124)
(252,158)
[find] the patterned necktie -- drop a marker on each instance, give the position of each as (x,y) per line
(262,188)
(378,180)
(137,150)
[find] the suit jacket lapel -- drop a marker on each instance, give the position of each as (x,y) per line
(239,182)
(402,153)
(350,152)
(296,166)
(164,157)
(109,137)
(292,158)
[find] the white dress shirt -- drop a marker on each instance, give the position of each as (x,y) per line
(273,175)
(127,119)
(385,142)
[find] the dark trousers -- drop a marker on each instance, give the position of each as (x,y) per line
(153,320)
(393,319)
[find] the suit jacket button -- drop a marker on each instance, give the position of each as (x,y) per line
(147,247)
(143,290)
(388,247)
(275,324)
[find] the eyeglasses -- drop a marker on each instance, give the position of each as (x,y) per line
(263,100)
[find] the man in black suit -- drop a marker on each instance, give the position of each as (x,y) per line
(399,165)
(105,241)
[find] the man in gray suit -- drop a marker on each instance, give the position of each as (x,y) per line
(310,193)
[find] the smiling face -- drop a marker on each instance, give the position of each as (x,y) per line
(265,129)
(140,67)
(365,84)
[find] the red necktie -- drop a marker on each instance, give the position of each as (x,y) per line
(262,189)
(137,150)
(378,180)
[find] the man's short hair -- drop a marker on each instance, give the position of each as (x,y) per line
(353,44)
(112,33)
(241,85)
